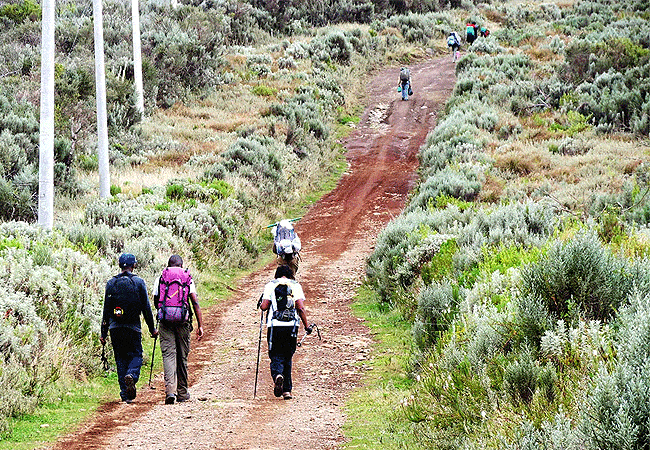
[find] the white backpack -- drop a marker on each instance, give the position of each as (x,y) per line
(283,237)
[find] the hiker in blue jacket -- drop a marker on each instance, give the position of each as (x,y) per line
(125,299)
(405,83)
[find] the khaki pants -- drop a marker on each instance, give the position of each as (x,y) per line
(175,346)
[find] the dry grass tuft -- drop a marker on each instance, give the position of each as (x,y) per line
(530,169)
(391,31)
(494,16)
(492,189)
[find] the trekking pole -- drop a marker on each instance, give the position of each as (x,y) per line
(313,325)
(290,220)
(259,347)
(153,353)
(104,359)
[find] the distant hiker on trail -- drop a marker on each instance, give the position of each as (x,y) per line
(405,83)
(453,42)
(484,31)
(124,300)
(284,299)
(173,292)
(286,244)
(472,31)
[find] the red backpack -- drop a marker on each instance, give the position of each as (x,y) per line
(173,295)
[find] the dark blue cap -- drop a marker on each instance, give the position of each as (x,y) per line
(126,260)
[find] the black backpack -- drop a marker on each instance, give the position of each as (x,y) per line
(286,307)
(124,299)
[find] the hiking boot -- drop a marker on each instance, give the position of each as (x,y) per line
(130,387)
(170,399)
(287,395)
(183,399)
(277,389)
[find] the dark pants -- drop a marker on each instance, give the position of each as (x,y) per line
(281,351)
(127,348)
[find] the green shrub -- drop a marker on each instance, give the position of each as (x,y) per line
(334,46)
(520,378)
(580,278)
(175,191)
(463,184)
(264,91)
(19,12)
(420,27)
(115,190)
(441,265)
(436,309)
(405,246)
(616,414)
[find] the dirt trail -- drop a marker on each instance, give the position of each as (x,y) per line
(338,233)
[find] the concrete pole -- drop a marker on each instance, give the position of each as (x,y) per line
(46,135)
(137,57)
(100,93)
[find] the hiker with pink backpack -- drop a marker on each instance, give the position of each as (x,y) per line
(173,293)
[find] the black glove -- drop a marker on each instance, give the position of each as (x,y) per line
(309,329)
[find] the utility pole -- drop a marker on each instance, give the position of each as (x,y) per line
(46,134)
(137,57)
(100,94)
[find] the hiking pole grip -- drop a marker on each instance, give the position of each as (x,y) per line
(312,326)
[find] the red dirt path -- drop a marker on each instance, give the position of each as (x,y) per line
(338,233)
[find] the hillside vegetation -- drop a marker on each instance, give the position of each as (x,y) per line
(521,262)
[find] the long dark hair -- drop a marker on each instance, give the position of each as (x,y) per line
(284,271)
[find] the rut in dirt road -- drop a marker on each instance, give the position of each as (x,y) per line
(338,233)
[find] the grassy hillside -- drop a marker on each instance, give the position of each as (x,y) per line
(521,262)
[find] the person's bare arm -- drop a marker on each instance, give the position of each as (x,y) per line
(300,307)
(199,316)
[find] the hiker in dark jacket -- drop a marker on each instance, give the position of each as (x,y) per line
(125,299)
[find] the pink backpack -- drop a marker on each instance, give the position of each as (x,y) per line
(173,295)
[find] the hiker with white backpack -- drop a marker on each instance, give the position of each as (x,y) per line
(284,300)
(173,293)
(453,42)
(286,244)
